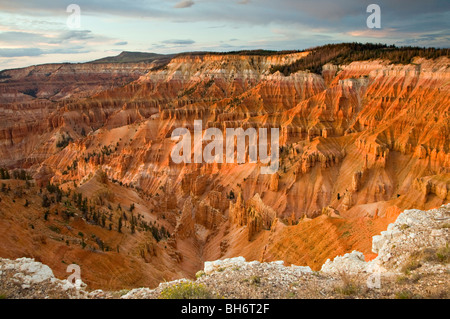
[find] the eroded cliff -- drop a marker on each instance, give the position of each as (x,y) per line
(358,144)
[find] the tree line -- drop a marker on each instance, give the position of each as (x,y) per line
(345,53)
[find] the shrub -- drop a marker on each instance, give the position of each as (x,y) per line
(102,177)
(411,265)
(255,280)
(55,229)
(405,279)
(4,174)
(21,174)
(404,226)
(52,188)
(64,141)
(45,201)
(443,254)
(404,294)
(431,255)
(102,196)
(187,290)
(348,286)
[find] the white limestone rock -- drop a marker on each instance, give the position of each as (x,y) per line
(212,266)
(353,262)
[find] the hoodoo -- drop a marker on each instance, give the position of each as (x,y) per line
(141,167)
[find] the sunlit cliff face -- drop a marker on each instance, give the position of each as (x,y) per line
(357,144)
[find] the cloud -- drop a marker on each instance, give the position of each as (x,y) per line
(15,37)
(20,52)
(343,15)
(74,35)
(34,52)
(172,45)
(184,4)
(179,42)
(100,7)
(33,28)
(48,42)
(25,37)
(217,26)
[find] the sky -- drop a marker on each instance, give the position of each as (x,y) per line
(44,31)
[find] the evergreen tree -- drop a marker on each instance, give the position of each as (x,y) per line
(45,201)
(119,228)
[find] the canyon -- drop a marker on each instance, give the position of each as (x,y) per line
(359,143)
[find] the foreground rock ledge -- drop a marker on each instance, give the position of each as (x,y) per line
(412,262)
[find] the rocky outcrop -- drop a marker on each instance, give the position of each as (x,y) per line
(253,214)
(331,212)
(437,185)
(274,180)
(240,262)
(413,232)
(36,280)
(208,216)
(186,223)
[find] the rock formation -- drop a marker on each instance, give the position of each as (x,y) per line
(416,236)
(358,144)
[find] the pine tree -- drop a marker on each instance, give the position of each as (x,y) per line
(45,201)
(119,228)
